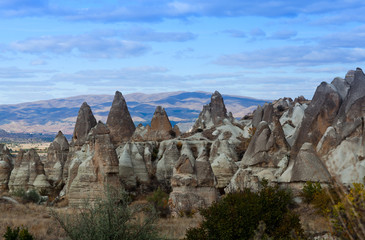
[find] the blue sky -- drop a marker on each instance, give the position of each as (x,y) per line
(262,49)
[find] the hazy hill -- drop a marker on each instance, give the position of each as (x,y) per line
(50,116)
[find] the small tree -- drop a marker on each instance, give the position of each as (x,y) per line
(110,218)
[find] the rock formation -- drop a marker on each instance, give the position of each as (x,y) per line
(193,184)
(318,116)
(212,114)
(308,167)
(135,163)
(84,123)
(119,120)
(93,168)
(6,166)
(159,130)
(267,147)
(28,172)
(56,158)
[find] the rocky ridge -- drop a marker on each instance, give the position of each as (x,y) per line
(286,142)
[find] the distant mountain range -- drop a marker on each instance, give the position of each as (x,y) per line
(50,116)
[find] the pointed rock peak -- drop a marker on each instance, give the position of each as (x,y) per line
(59,134)
(100,129)
(119,120)
(350,76)
(308,167)
(60,142)
(216,94)
(160,121)
(84,122)
(118,95)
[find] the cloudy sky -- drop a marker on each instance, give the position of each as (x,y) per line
(262,49)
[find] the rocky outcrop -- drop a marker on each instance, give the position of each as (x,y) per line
(318,116)
(6,165)
(119,120)
(28,172)
(212,114)
(56,158)
(84,123)
(193,182)
(308,167)
(93,168)
(135,163)
(267,147)
(159,130)
(342,145)
(291,120)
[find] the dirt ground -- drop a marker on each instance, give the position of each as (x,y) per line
(40,223)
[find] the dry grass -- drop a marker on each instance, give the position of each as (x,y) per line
(175,228)
(36,218)
(42,225)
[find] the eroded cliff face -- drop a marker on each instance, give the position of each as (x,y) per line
(6,166)
(320,140)
(28,172)
(93,168)
(56,158)
(286,142)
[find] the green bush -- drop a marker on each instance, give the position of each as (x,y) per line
(32,196)
(111,217)
(160,201)
(238,215)
(17,234)
(27,196)
(310,190)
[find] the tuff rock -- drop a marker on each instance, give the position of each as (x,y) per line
(56,158)
(28,172)
(212,114)
(93,168)
(6,166)
(119,120)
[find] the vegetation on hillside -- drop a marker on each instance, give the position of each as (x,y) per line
(344,208)
(246,214)
(111,217)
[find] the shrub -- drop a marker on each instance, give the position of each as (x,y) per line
(17,234)
(110,218)
(238,215)
(32,196)
(348,214)
(160,199)
(310,190)
(27,196)
(344,208)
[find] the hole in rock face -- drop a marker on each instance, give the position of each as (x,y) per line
(221,191)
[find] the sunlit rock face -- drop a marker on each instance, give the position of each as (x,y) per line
(28,172)
(6,166)
(84,123)
(160,129)
(93,168)
(119,120)
(56,158)
(324,139)
(212,114)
